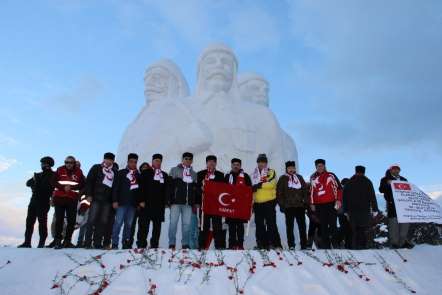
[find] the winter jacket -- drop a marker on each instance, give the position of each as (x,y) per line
(41,185)
(359,200)
(122,192)
(291,197)
(266,191)
(63,177)
(201,176)
(182,193)
(94,184)
(154,194)
(325,188)
(385,188)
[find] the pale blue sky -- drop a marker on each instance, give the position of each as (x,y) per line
(354,82)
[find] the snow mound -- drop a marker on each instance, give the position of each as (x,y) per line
(72,271)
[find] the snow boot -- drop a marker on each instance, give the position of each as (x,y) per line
(25,245)
(41,244)
(57,244)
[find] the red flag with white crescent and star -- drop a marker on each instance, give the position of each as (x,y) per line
(227,200)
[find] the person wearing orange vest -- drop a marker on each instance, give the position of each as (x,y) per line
(325,200)
(68,181)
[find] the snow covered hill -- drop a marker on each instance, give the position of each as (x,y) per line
(47,271)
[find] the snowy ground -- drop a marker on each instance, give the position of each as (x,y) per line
(47,271)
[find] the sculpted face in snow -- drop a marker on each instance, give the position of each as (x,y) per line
(226,116)
(254,88)
(163,80)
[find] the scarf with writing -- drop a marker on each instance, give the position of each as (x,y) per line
(259,176)
(239,178)
(293,181)
(132,176)
(187,174)
(158,174)
(108,179)
(210,174)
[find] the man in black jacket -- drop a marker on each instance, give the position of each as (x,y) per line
(125,197)
(397,232)
(153,199)
(236,226)
(359,203)
(210,222)
(38,207)
(182,198)
(99,183)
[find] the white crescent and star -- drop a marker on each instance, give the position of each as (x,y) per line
(220,199)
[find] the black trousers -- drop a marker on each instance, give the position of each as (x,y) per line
(360,236)
(37,211)
(267,234)
(217,226)
(327,219)
(236,233)
(345,231)
(107,239)
(143,231)
(65,208)
(133,228)
(97,220)
(290,215)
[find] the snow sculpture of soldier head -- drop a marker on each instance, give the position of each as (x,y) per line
(254,88)
(217,69)
(164,80)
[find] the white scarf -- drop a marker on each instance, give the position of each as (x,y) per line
(258,176)
(158,175)
(187,175)
(294,181)
(132,178)
(240,175)
(108,179)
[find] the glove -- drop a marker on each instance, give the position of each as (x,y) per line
(281,209)
(257,186)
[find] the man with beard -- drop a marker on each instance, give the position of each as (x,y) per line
(38,207)
(153,198)
(210,222)
(236,226)
(68,182)
(99,184)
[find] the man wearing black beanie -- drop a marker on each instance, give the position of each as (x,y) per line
(99,183)
(359,201)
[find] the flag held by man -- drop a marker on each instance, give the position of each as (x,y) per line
(226,200)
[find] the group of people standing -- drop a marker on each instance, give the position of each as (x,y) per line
(110,200)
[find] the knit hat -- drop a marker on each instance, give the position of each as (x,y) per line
(262,158)
(360,169)
(236,160)
(187,155)
(319,161)
(211,158)
(132,156)
(109,156)
(395,166)
(290,164)
(157,156)
(47,160)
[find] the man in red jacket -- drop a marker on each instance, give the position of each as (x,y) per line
(68,181)
(325,200)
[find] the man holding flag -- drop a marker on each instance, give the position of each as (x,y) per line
(236,226)
(210,223)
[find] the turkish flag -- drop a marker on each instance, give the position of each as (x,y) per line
(227,200)
(402,186)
